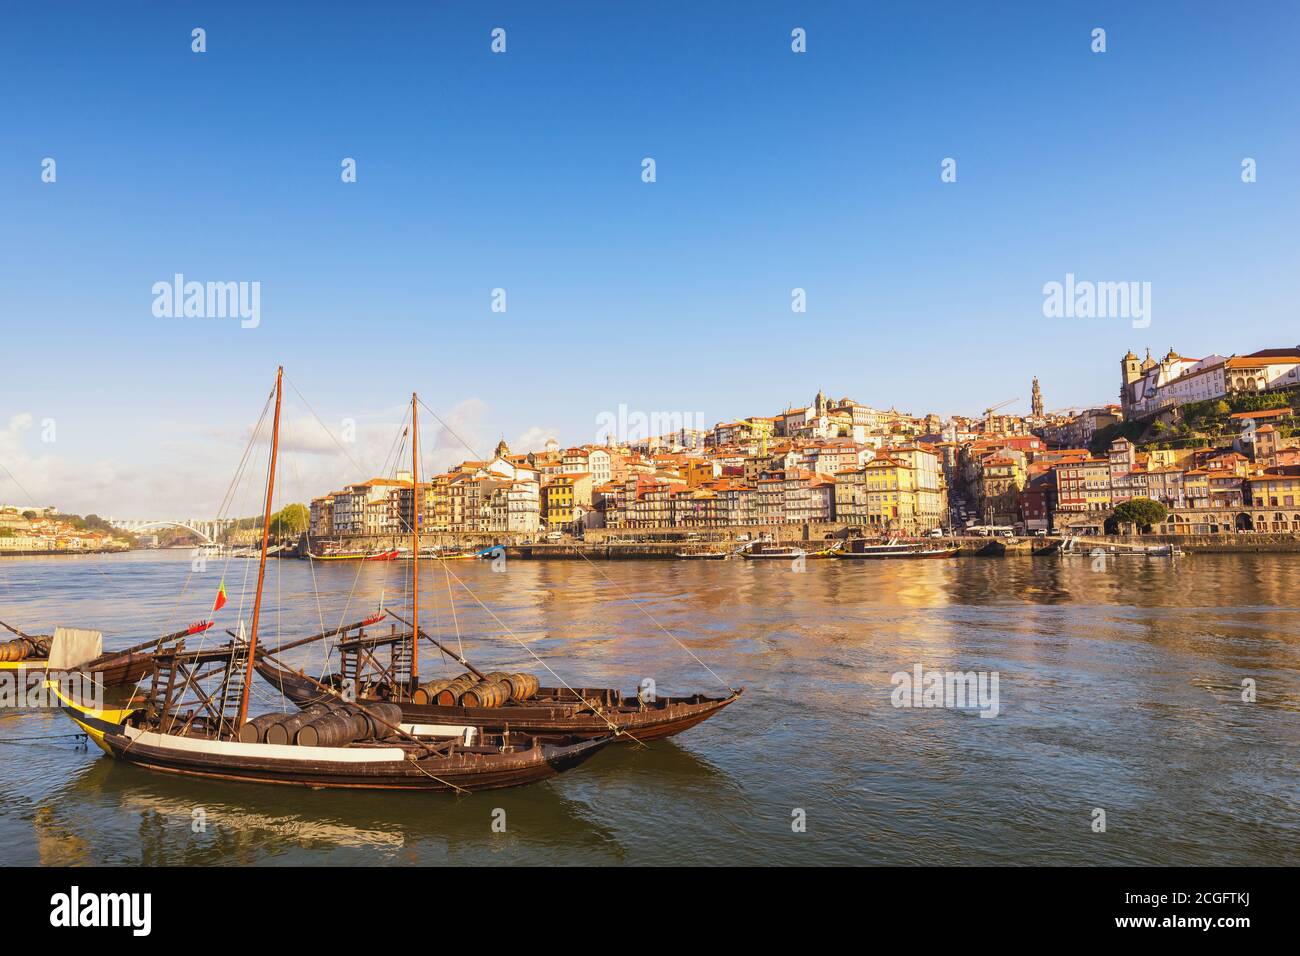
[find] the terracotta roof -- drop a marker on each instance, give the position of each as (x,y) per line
(1256,359)
(1263,413)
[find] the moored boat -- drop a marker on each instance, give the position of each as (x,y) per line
(365,753)
(896,549)
(581,712)
(194,720)
(1081,547)
(387,555)
(772,552)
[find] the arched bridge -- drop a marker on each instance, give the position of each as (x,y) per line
(207,529)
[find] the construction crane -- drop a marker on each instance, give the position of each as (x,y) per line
(763,428)
(988,412)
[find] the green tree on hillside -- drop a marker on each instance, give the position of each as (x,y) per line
(290,521)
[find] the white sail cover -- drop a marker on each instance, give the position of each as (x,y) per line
(74,646)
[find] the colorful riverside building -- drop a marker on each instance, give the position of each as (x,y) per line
(1083,486)
(564,497)
(1277,487)
(900,491)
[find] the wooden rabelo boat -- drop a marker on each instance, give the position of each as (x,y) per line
(194,721)
(385,669)
(583,712)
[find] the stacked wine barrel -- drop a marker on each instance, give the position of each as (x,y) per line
(324,725)
(445,692)
(468,690)
(22,648)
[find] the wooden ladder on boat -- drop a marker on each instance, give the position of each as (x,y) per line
(227,699)
(350,667)
(160,689)
(400,659)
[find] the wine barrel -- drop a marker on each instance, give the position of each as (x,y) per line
(254,732)
(385,716)
(523,686)
(284,730)
(486,694)
(332,730)
(428,693)
(448,696)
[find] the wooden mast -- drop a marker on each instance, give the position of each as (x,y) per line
(415,543)
(261,567)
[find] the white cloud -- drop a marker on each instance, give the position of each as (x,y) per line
(43,478)
(193,468)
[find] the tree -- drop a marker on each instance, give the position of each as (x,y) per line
(290,520)
(1142,512)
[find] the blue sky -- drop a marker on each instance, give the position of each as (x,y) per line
(523,171)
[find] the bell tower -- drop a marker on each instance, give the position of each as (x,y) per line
(1131,369)
(1036,400)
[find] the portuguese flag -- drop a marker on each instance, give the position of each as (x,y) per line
(220,602)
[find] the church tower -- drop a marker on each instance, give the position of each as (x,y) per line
(1131,368)
(1036,400)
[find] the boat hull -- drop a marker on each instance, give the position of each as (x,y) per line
(357,556)
(667,717)
(922,554)
(241,763)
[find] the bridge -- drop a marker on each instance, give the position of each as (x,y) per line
(209,529)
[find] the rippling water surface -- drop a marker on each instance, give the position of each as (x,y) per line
(1118,689)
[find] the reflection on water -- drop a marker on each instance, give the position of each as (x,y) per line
(1120,689)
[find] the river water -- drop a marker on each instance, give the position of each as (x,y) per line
(1119,689)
